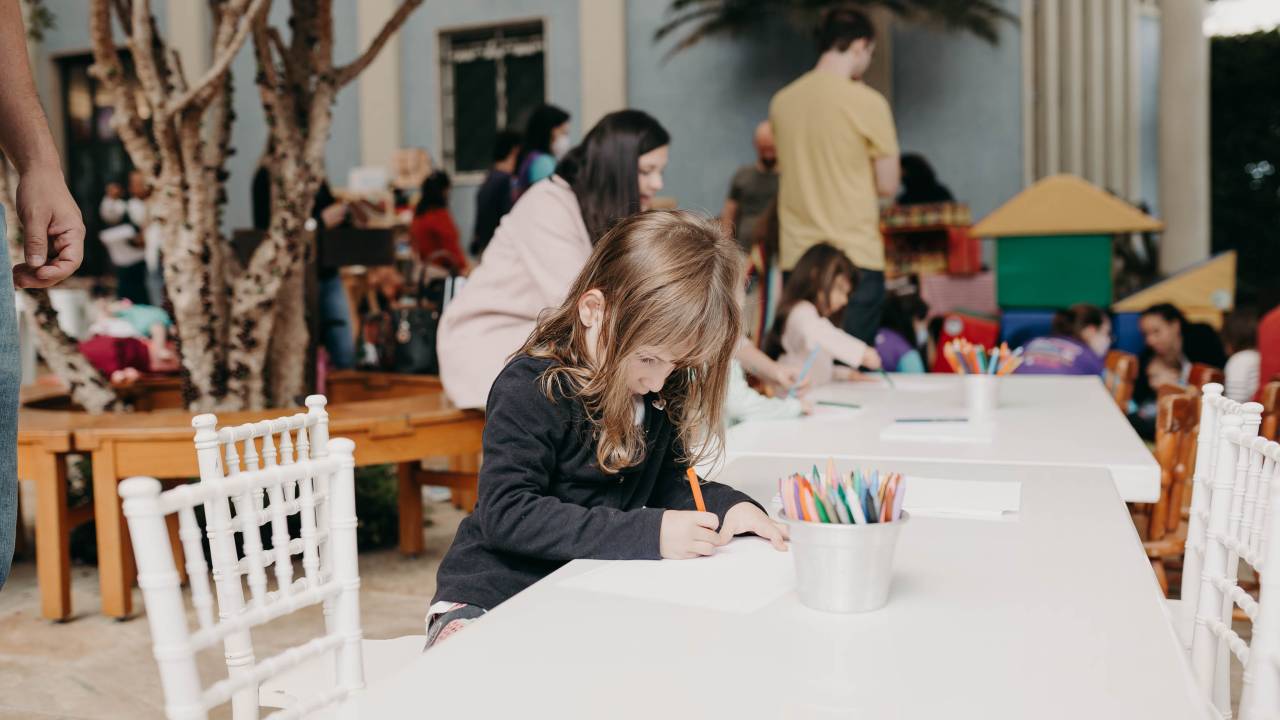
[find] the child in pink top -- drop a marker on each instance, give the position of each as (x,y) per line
(810,309)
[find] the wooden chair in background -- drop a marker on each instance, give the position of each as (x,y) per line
(1270,399)
(1121,374)
(1201,374)
(1163,537)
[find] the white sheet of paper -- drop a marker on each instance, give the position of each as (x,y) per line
(961,431)
(985,499)
(741,577)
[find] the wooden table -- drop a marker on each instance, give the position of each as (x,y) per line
(1042,420)
(1051,614)
(401,430)
(44,440)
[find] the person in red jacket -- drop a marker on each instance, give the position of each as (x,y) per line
(1268,349)
(435,236)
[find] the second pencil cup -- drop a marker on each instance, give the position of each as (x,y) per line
(844,568)
(982,396)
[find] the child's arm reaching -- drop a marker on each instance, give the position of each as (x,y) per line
(817,330)
(516,511)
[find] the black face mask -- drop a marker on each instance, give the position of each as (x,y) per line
(768,163)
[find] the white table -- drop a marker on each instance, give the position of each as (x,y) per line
(1054,614)
(1042,420)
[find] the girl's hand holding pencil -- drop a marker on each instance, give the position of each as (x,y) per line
(688,534)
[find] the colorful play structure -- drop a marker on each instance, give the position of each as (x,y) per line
(1054,247)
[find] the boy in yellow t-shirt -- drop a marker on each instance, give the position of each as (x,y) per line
(838,154)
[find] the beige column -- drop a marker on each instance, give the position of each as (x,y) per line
(1184,134)
(379,86)
(188,34)
(602,40)
(1073,130)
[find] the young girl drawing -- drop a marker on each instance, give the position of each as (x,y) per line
(809,314)
(592,423)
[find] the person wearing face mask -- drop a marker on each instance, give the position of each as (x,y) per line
(542,244)
(1078,346)
(753,188)
(546,140)
(903,338)
(838,156)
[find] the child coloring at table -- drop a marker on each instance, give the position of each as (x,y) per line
(591,425)
(809,313)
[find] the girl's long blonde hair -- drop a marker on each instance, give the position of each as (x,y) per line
(668,277)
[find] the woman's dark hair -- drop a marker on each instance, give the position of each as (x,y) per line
(920,183)
(1240,329)
(434,190)
(900,313)
(604,170)
(1169,312)
(1072,321)
(537,132)
(840,27)
(810,280)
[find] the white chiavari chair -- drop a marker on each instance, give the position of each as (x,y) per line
(325,488)
(222,454)
(1237,530)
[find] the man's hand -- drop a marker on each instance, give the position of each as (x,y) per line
(54,242)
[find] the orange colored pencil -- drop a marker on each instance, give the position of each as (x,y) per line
(697,491)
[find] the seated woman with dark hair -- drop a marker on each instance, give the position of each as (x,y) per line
(920,184)
(542,244)
(1078,346)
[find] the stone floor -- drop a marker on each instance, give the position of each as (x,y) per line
(95,667)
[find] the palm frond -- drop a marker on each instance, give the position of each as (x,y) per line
(731,18)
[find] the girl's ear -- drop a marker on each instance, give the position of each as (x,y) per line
(591,308)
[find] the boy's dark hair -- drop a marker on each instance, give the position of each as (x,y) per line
(504,143)
(1240,329)
(1168,311)
(841,26)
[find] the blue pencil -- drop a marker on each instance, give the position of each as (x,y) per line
(804,371)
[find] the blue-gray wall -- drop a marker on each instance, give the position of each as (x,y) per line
(420,72)
(709,97)
(958,101)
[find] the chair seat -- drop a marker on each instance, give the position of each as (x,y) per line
(382,658)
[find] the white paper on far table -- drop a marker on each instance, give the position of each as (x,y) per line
(984,499)
(742,577)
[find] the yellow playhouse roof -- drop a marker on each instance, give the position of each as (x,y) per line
(1064,205)
(1202,291)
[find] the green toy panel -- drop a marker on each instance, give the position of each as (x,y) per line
(1053,271)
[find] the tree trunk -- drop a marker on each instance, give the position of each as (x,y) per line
(289,342)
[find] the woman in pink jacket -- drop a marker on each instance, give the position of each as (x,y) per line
(541,246)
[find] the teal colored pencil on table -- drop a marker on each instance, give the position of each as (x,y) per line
(804,371)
